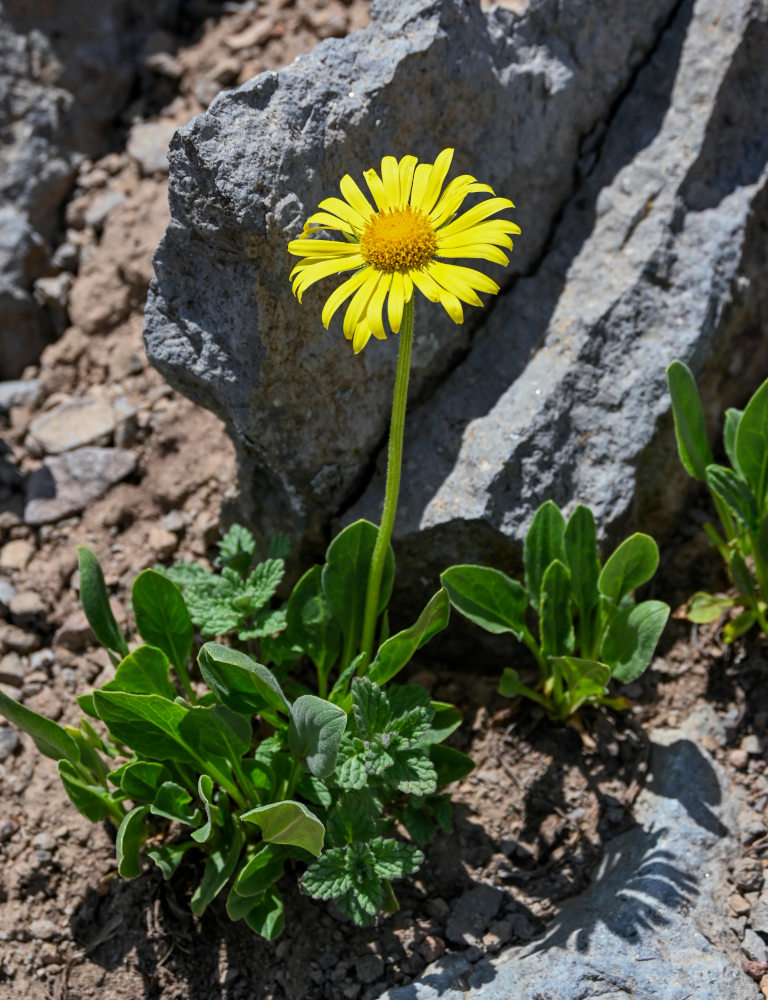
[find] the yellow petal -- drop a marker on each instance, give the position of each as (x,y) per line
(476,236)
(373,313)
(436,178)
(447,273)
(390,176)
(344,211)
(342,293)
(421,177)
(406,168)
(395,302)
(355,197)
(358,305)
(426,285)
(476,214)
(376,188)
(452,306)
(322,269)
(324,220)
(480,251)
(424,281)
(322,248)
(361,337)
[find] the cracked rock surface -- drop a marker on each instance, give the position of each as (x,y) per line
(517,93)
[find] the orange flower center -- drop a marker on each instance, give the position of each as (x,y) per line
(398,239)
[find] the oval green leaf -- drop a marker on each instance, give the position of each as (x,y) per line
(288,823)
(631,565)
(487,597)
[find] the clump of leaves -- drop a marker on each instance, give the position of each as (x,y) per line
(740,495)
(579,619)
(247,770)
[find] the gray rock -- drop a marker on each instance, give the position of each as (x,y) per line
(148,145)
(7,591)
(519,95)
(18,392)
(472,913)
(9,741)
(96,214)
(659,255)
(72,424)
(12,669)
(650,925)
(754,947)
(67,483)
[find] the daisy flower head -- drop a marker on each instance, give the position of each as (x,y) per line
(402,242)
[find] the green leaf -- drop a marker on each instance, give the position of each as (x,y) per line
(370,706)
(147,723)
(288,822)
(412,773)
(576,681)
(311,623)
(216,730)
(511,686)
(582,558)
(447,719)
(690,425)
(761,544)
(630,641)
(556,625)
(735,494)
(93,801)
(398,650)
(267,918)
(704,608)
(264,581)
(260,871)
(130,838)
(352,819)
(95,601)
(280,545)
(345,577)
(219,867)
(544,543)
(351,773)
(488,597)
(312,788)
(173,802)
(340,691)
(741,575)
(315,732)
(184,574)
(49,737)
(450,764)
(141,779)
(216,815)
(752,444)
(162,618)
(144,671)
(329,876)
(238,681)
(394,859)
(730,430)
(631,565)
(739,625)
(168,857)
(236,549)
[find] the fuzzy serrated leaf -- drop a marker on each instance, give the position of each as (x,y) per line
(352,774)
(394,859)
(264,581)
(413,773)
(328,877)
(236,549)
(412,725)
(370,706)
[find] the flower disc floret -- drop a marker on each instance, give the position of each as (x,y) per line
(400,242)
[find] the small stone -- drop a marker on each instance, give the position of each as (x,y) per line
(758,916)
(352,991)
(44,930)
(96,214)
(369,968)
(174,521)
(437,908)
(522,928)
(12,669)
(750,744)
(74,633)
(432,948)
(48,954)
(148,145)
(67,483)
(17,639)
(66,256)
(255,34)
(18,392)
(7,592)
(9,741)
(162,542)
(7,829)
(738,759)
(14,693)
(498,934)
(73,424)
(328,960)
(27,606)
(738,904)
(754,947)
(46,702)
(748,875)
(16,554)
(44,841)
(472,913)
(42,659)
(756,970)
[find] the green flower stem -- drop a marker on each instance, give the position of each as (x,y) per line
(394,463)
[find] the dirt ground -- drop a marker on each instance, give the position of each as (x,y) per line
(532,821)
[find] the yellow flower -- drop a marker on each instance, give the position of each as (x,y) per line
(396,246)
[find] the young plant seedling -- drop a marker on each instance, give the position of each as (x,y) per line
(588,629)
(740,495)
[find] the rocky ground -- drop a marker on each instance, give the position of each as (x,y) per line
(140,475)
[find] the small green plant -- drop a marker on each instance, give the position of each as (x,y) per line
(740,495)
(588,631)
(245,772)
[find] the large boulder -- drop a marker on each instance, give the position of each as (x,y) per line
(64,76)
(522,97)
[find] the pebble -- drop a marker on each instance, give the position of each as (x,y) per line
(754,947)
(369,968)
(44,841)
(7,592)
(174,521)
(437,908)
(522,928)
(738,904)
(73,424)
(7,828)
(27,606)
(16,554)
(758,917)
(74,633)
(738,759)
(67,483)
(472,913)
(162,542)
(432,948)
(12,669)
(42,659)
(17,392)
(148,146)
(96,214)
(47,703)
(43,930)
(748,875)
(751,744)
(9,741)
(18,639)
